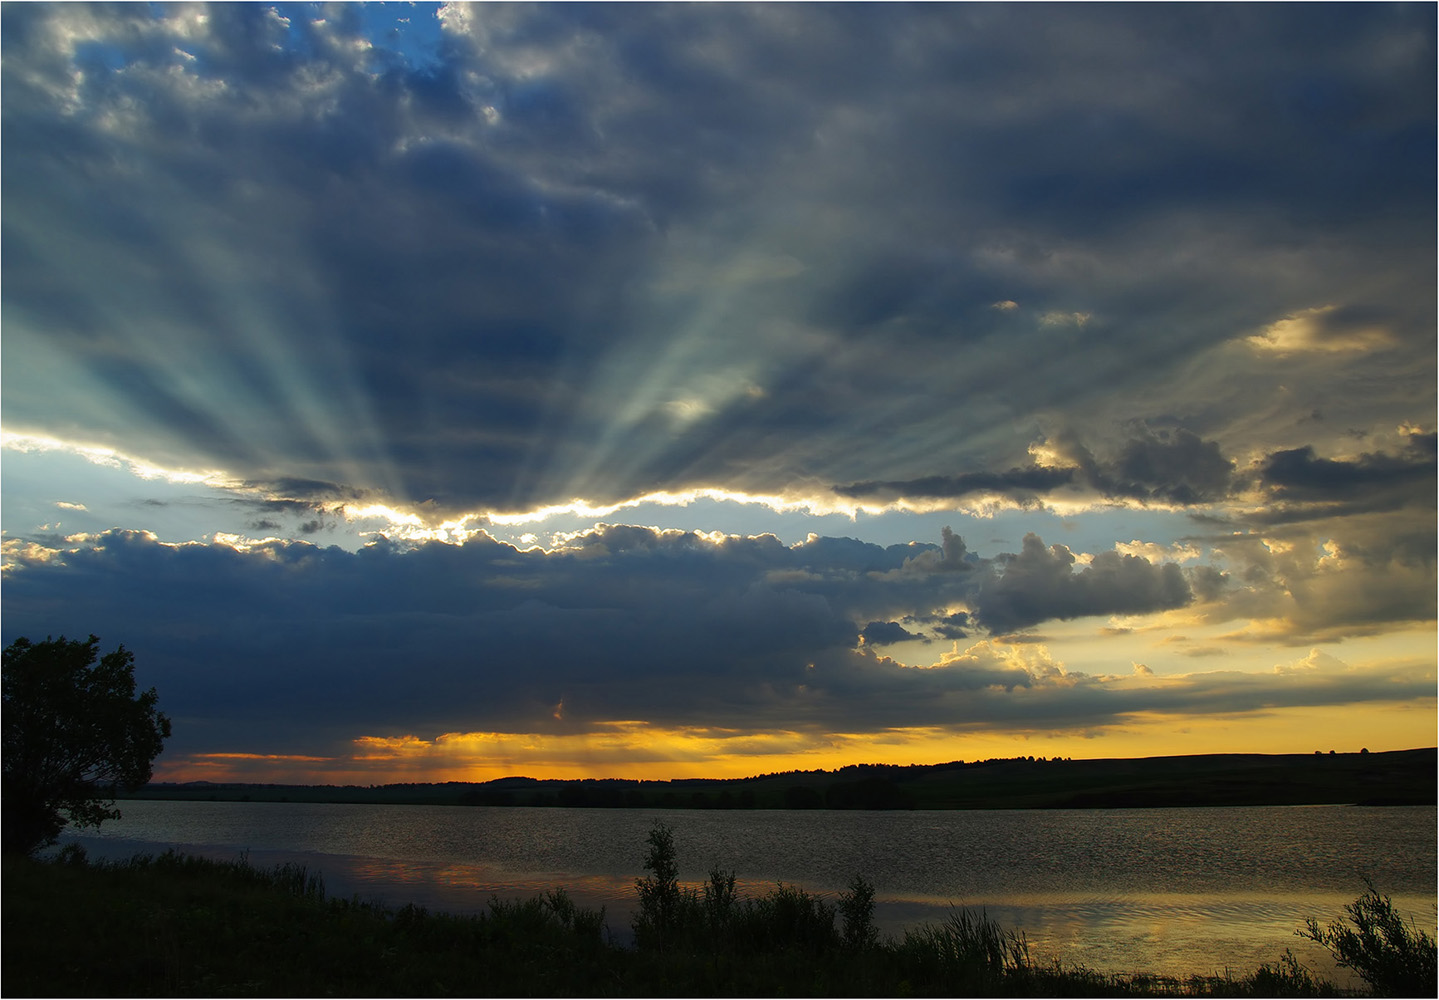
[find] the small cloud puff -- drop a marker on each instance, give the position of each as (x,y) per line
(1317,660)
(1058,318)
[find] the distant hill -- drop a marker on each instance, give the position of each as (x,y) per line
(1399,777)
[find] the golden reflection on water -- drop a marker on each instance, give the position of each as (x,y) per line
(1177,933)
(1167,891)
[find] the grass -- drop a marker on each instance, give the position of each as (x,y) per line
(174,925)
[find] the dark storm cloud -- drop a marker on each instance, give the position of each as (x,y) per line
(1172,465)
(1024,482)
(1038,584)
(951,626)
(597,251)
(623,622)
(290,646)
(885,633)
(1299,474)
(1177,466)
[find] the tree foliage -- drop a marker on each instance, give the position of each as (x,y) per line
(74,732)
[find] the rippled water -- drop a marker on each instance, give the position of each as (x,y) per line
(1166,890)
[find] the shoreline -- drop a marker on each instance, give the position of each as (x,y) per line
(206,891)
(1396,777)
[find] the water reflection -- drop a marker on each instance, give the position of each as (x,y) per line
(1175,891)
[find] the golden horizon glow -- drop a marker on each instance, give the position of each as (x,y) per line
(635,751)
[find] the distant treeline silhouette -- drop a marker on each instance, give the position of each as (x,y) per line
(1400,777)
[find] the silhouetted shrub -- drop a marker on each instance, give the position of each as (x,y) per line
(1394,959)
(660,896)
(856,910)
(179,926)
(967,952)
(788,918)
(719,897)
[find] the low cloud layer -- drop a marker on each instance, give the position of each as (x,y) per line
(293,647)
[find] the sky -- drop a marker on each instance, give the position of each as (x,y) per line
(435,392)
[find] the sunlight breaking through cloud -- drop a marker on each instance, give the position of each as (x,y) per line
(518,369)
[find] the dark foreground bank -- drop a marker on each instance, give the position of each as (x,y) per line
(181,926)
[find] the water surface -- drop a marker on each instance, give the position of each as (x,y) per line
(1176,891)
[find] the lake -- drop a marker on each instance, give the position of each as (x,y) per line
(1174,891)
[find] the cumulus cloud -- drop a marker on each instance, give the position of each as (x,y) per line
(1316,660)
(1322,579)
(1038,584)
(670,625)
(669,628)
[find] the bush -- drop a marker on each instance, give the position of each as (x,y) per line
(788,919)
(660,915)
(719,897)
(856,909)
(1394,959)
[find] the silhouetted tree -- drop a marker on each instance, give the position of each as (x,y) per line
(802,797)
(74,732)
(660,894)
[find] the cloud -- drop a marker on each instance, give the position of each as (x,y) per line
(1316,660)
(1299,475)
(1020,482)
(885,633)
(1175,465)
(567,254)
(1039,584)
(621,622)
(1176,552)
(668,628)
(1064,319)
(1326,578)
(530,266)
(953,625)
(1323,329)
(1165,465)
